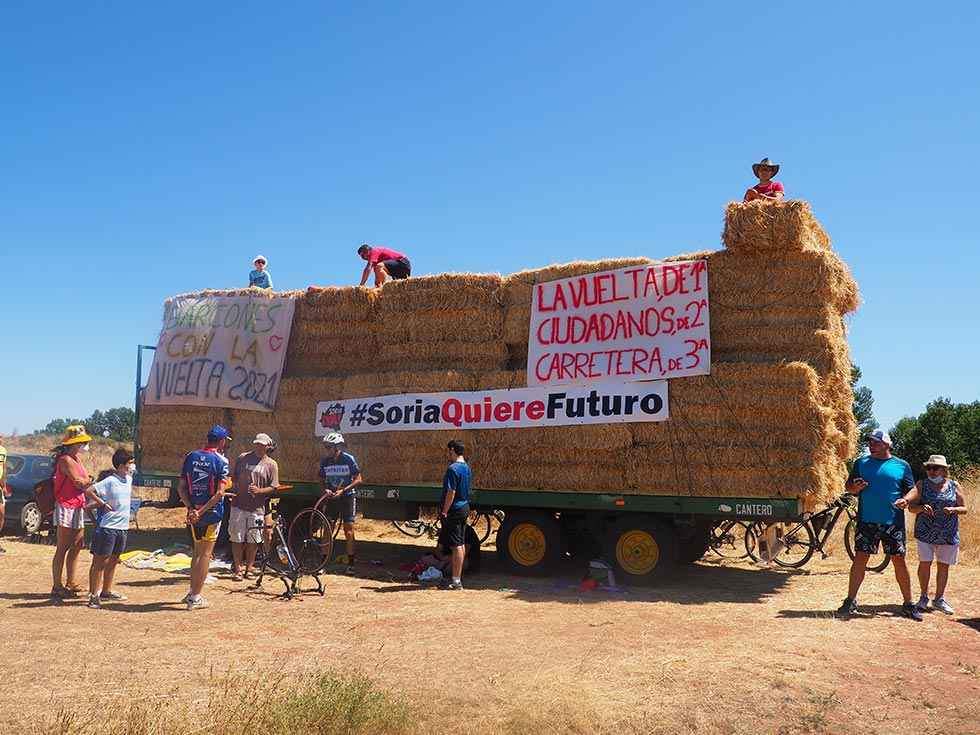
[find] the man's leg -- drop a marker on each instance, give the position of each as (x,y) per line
(236,557)
(858,567)
(95,575)
(349,538)
(200,566)
(902,576)
(924,572)
(250,551)
(459,553)
(942,577)
(380,274)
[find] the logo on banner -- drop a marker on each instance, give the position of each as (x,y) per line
(332,417)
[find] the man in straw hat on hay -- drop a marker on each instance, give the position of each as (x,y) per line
(204,480)
(764,171)
(881,482)
(385,263)
(339,476)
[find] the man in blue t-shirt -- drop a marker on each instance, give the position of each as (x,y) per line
(880,481)
(204,480)
(339,476)
(454,508)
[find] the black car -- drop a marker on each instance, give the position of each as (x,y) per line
(24,473)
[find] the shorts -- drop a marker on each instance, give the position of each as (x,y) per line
(892,538)
(344,507)
(245,526)
(68,517)
(398,268)
(206,531)
(108,541)
(454,526)
(943,553)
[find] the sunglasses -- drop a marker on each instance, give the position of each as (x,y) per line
(259,262)
(934,467)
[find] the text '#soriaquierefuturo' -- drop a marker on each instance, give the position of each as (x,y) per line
(458,413)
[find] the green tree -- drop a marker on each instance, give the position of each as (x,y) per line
(120,423)
(948,428)
(863,406)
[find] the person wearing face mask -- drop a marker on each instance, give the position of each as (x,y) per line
(71,480)
(112,499)
(937,503)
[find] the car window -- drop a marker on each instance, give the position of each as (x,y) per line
(43,469)
(14,465)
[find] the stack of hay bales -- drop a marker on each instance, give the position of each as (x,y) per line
(773,418)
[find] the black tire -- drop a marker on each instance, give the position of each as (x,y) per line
(694,545)
(728,539)
(31,519)
(642,550)
(414,528)
(800,543)
(874,563)
(310,540)
(481,524)
(530,543)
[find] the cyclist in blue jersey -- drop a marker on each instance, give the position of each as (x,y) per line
(204,480)
(339,476)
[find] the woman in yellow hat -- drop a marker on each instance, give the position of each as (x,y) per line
(71,479)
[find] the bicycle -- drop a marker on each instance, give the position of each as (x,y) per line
(732,539)
(811,534)
(481,521)
(290,559)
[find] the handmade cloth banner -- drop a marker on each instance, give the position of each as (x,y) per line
(639,323)
(604,403)
(223,351)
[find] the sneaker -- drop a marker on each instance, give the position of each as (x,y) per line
(923,603)
(94,603)
(848,608)
(943,606)
(199,604)
(114,596)
(911,611)
(454,586)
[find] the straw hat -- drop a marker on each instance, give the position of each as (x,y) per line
(263,439)
(937,460)
(75,434)
(765,162)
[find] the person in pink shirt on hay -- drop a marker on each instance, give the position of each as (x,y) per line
(385,262)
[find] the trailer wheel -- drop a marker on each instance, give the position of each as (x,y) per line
(642,550)
(529,543)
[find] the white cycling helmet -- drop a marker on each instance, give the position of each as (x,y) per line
(334,438)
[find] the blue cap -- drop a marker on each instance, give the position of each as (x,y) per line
(217,433)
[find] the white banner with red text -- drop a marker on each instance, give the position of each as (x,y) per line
(221,351)
(644,322)
(517,408)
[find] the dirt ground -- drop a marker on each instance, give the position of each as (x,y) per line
(725,648)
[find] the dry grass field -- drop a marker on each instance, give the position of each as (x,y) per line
(724,648)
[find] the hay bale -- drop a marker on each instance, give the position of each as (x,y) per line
(447,292)
(767,226)
(335,306)
(428,356)
(168,433)
(473,325)
(404,381)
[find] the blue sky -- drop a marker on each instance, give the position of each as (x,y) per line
(150,151)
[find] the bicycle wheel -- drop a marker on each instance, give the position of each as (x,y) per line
(876,562)
(311,540)
(727,539)
(799,544)
(414,528)
(481,524)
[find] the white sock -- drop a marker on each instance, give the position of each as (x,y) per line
(457,580)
